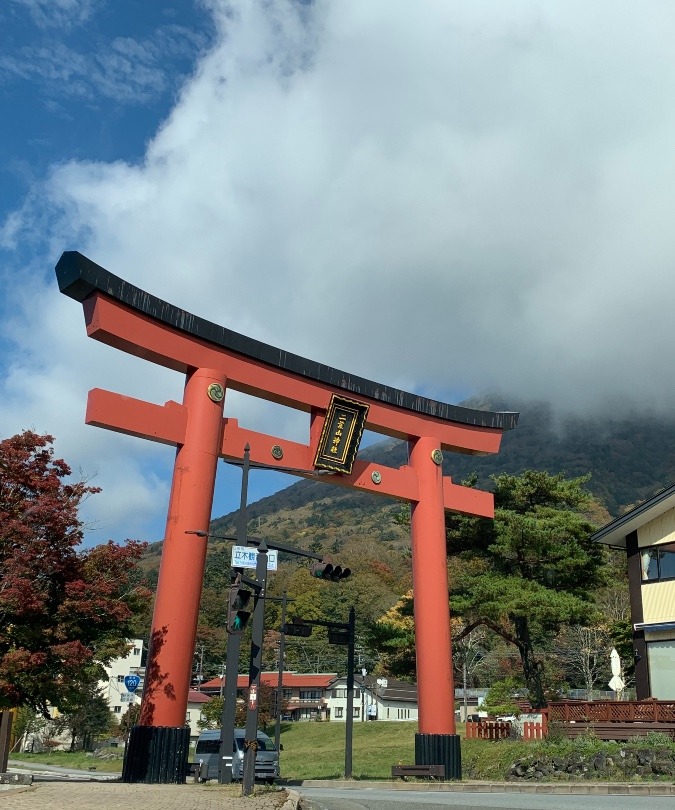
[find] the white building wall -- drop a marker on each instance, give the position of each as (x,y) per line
(113,690)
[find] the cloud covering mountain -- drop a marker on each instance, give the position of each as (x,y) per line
(446,197)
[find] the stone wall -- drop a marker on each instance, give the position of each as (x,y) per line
(625,764)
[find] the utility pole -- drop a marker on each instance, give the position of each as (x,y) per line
(280,682)
(349,730)
(466,702)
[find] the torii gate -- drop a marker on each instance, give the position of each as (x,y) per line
(213,359)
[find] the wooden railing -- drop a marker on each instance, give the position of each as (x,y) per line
(612,711)
(534,731)
(488,730)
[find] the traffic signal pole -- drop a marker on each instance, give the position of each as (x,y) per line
(338,633)
(225,758)
(258,631)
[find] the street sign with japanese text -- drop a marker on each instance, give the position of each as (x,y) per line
(245,557)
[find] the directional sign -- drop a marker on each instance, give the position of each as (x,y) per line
(245,557)
(131,682)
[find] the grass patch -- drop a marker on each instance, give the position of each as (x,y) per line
(71,759)
(317,751)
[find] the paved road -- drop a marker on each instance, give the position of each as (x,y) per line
(368,799)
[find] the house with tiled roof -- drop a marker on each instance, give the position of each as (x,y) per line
(303,696)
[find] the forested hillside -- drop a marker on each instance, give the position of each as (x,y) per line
(629,459)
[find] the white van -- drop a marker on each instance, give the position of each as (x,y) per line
(208,752)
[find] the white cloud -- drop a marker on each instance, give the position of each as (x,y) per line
(455,197)
(125,70)
(65,14)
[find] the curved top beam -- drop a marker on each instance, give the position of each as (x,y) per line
(79,277)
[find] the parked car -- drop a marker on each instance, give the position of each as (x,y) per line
(208,752)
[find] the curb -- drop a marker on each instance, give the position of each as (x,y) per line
(292,801)
(561,788)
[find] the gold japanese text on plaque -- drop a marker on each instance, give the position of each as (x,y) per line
(341,435)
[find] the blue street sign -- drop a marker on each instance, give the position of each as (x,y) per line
(131,682)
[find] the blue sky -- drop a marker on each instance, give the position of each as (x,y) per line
(485,188)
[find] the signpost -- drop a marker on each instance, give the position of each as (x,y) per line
(132,682)
(245,557)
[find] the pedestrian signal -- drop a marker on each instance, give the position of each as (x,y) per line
(238,610)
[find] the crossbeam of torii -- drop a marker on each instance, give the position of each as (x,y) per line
(127,318)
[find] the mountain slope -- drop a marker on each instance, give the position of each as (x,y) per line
(629,459)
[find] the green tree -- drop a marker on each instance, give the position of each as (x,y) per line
(500,699)
(393,637)
(129,719)
(212,712)
(531,570)
(88,719)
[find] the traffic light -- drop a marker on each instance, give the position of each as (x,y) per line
(238,610)
(326,570)
(297,628)
(338,636)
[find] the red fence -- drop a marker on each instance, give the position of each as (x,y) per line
(534,731)
(487,730)
(612,711)
(501,730)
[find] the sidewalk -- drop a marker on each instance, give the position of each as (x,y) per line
(57,788)
(121,796)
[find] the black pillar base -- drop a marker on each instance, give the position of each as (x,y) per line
(440,749)
(157,755)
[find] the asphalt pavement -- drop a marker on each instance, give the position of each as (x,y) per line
(55,788)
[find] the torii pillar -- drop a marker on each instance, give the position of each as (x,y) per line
(214,358)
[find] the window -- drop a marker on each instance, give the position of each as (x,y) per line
(310,694)
(658,562)
(117,709)
(403,714)
(187,715)
(137,651)
(287,694)
(339,711)
(307,714)
(120,679)
(357,712)
(339,693)
(661,655)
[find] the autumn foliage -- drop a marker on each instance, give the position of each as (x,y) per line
(62,610)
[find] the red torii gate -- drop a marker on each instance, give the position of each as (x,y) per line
(213,359)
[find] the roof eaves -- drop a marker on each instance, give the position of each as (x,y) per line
(614,533)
